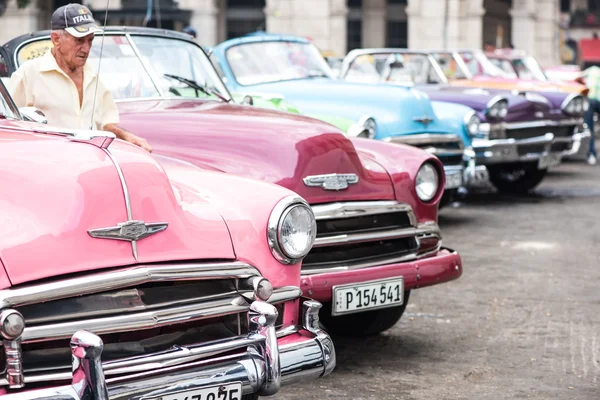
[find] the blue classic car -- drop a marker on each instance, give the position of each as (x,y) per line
(295,69)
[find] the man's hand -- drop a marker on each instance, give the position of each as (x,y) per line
(138,141)
(128,136)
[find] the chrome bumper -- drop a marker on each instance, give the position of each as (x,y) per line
(454,176)
(507,150)
(262,361)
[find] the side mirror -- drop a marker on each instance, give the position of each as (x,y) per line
(33,114)
(248,100)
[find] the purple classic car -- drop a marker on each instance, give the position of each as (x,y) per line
(521,134)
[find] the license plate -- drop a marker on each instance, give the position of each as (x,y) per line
(549,160)
(367,296)
(454,180)
(230,391)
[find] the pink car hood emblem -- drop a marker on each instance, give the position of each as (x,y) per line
(331,181)
(130,230)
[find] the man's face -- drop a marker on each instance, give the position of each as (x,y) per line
(73,51)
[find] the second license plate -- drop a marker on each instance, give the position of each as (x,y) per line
(454,180)
(230,391)
(367,296)
(549,161)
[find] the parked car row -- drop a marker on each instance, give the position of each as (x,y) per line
(281,202)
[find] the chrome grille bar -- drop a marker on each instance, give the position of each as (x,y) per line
(128,277)
(371,236)
(361,208)
(228,305)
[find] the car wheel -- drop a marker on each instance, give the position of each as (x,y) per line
(367,323)
(516,178)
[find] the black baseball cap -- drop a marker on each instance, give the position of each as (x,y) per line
(76,19)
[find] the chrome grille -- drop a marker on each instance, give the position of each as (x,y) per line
(366,234)
(537,131)
(449,148)
(151,308)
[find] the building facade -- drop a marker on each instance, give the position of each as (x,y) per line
(335,26)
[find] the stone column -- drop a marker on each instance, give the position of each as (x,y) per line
(206,19)
(18,21)
(535,29)
(323,21)
(444,23)
(374,23)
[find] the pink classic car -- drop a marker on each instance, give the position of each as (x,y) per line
(126,277)
(376,204)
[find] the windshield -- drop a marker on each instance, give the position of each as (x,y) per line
(263,62)
(397,68)
(506,66)
(528,68)
(451,67)
(128,76)
(479,65)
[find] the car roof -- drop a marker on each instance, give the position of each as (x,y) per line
(257,37)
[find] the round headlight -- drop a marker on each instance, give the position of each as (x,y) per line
(497,108)
(427,182)
(292,230)
(472,122)
(503,112)
(493,112)
(574,105)
(370,126)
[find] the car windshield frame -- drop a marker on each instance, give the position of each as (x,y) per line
(534,68)
(488,67)
(324,72)
(8,109)
(434,65)
(149,71)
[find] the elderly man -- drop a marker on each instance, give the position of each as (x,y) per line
(63,85)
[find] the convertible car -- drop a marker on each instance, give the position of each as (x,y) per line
(126,276)
(376,204)
(294,68)
(472,68)
(511,139)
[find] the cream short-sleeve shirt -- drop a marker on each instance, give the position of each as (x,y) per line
(41,83)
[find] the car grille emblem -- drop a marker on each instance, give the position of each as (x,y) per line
(425,120)
(130,230)
(331,181)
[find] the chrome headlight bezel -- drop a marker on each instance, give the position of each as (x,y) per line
(497,109)
(428,174)
(366,128)
(280,212)
(575,105)
(472,123)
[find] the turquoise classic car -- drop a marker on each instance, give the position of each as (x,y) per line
(293,68)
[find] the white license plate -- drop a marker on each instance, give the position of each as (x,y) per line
(454,180)
(549,161)
(367,296)
(230,391)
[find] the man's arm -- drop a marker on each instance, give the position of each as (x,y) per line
(128,136)
(16,88)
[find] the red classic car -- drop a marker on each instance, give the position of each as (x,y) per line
(376,204)
(126,277)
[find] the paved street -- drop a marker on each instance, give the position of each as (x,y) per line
(523,322)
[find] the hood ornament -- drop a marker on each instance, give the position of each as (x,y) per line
(130,230)
(425,120)
(331,181)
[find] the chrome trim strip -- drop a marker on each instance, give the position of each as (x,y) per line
(361,208)
(371,236)
(426,138)
(127,197)
(153,318)
(135,275)
(543,123)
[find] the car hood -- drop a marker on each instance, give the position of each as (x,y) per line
(55,190)
(525,107)
(261,144)
(396,109)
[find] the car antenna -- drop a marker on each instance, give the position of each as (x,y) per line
(99,64)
